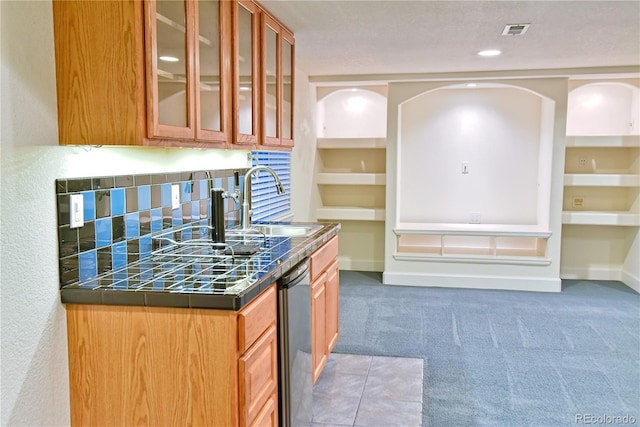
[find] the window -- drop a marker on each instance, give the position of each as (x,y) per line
(266,203)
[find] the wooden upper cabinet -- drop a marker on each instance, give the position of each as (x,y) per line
(168,73)
(277,80)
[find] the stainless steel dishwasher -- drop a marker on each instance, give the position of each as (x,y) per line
(294,341)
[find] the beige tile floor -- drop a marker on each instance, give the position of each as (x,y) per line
(368,391)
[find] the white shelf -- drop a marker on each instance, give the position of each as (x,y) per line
(601,218)
(478,259)
(343,178)
(349,213)
(472,243)
(601,180)
(627,141)
(351,143)
(507,230)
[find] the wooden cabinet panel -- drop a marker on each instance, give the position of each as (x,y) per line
(100,72)
(125,361)
(319,353)
(268,415)
(258,375)
(333,305)
(324,256)
(256,318)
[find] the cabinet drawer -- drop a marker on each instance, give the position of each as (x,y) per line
(321,258)
(255,318)
(258,375)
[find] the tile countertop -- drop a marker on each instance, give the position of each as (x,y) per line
(193,275)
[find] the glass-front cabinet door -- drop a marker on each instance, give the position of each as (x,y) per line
(189,78)
(287,87)
(277,78)
(213,70)
(271,72)
(170,74)
(245,74)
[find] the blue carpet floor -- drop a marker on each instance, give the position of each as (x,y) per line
(505,358)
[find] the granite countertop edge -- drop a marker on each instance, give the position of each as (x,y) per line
(206,301)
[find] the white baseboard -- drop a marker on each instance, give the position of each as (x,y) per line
(360,264)
(619,274)
(536,284)
(631,281)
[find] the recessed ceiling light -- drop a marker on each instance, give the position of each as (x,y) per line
(472,84)
(169,59)
(489,52)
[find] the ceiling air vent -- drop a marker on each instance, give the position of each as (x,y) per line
(515,29)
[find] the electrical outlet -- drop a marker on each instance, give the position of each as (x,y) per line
(76,211)
(175,196)
(582,162)
(577,202)
(465,168)
(474,217)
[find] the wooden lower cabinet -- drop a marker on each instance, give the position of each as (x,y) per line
(156,366)
(325,288)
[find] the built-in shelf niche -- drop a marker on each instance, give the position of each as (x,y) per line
(351,171)
(602,181)
(351,178)
(479,243)
(601,201)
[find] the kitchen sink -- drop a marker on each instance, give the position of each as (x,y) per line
(287,230)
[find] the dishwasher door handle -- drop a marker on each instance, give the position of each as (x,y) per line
(294,276)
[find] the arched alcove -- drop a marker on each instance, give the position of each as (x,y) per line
(352,113)
(475,155)
(603,108)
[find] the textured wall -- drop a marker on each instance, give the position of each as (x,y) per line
(34,360)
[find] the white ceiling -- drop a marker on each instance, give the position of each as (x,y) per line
(366,37)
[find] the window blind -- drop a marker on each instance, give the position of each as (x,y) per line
(266,203)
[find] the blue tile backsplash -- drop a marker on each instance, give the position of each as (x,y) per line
(122,212)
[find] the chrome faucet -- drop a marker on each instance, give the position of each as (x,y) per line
(245,196)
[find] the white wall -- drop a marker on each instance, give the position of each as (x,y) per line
(34,360)
(304,193)
(603,108)
(352,113)
(495,130)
